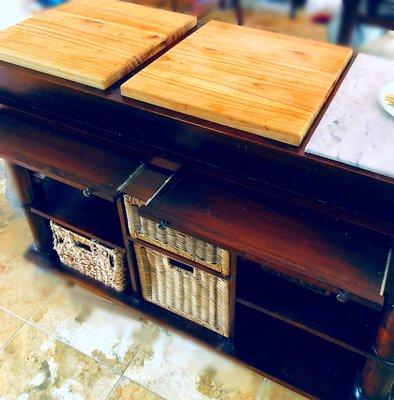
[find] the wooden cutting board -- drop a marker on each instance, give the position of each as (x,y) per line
(94,42)
(256,81)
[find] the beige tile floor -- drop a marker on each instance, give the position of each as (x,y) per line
(61,342)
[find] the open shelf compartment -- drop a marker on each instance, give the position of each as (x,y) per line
(350,325)
(92,216)
(316,367)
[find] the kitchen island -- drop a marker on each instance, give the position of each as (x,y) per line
(277,257)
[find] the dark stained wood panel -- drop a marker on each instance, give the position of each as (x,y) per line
(267,229)
(91,217)
(318,368)
(349,324)
(78,162)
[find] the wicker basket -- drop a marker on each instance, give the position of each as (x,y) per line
(90,258)
(186,291)
(169,239)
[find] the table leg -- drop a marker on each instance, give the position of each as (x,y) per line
(239,11)
(377,377)
(348,20)
(24,190)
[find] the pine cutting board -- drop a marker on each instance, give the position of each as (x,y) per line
(94,42)
(256,81)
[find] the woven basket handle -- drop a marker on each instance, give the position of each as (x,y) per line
(81,245)
(181,265)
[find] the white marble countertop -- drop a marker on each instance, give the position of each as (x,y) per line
(355,129)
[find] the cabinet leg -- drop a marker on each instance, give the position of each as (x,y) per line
(239,11)
(348,20)
(42,237)
(377,377)
(25,193)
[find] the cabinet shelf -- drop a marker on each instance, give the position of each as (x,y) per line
(317,367)
(350,325)
(92,217)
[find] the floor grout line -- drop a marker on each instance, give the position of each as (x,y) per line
(30,323)
(124,371)
(132,380)
(44,303)
(33,325)
(7,311)
(12,336)
(132,359)
(114,387)
(25,320)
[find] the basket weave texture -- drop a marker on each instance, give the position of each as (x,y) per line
(176,242)
(90,258)
(198,296)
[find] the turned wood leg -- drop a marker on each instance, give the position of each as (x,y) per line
(24,190)
(293,9)
(239,11)
(377,377)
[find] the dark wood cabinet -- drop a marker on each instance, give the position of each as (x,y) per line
(309,240)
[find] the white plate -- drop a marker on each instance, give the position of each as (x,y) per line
(386,90)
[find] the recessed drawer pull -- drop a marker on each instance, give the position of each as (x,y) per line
(82,246)
(181,265)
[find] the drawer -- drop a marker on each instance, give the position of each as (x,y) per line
(101,263)
(189,292)
(174,241)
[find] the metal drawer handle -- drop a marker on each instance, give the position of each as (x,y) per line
(87,192)
(343,296)
(162,225)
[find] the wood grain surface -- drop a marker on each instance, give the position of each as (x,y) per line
(256,81)
(94,42)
